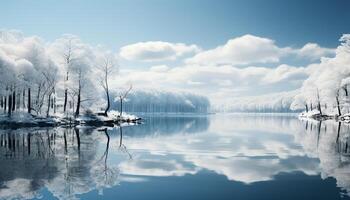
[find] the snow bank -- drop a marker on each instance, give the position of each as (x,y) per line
(23,119)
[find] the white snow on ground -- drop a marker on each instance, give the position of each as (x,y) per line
(21,117)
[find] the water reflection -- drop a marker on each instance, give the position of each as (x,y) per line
(249,149)
(328,141)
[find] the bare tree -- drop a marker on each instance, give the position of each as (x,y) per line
(319,102)
(51,83)
(122,96)
(68,58)
(106,70)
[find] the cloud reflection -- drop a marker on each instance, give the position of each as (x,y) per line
(247,149)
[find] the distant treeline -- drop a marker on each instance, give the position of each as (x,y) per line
(149,101)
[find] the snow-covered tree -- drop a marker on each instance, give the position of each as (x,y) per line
(326,87)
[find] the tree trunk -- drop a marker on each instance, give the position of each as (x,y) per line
(65,100)
(306,108)
(319,108)
(77,112)
(5,104)
(107,93)
(10,105)
(346,91)
(29,101)
(48,106)
(338,106)
(38,95)
(319,102)
(13,100)
(54,105)
(121,107)
(23,98)
(66,92)
(108,103)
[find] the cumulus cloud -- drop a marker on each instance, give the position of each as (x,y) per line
(314,51)
(249,49)
(285,73)
(159,68)
(242,50)
(156,51)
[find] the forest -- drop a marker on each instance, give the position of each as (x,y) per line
(325,93)
(159,101)
(64,78)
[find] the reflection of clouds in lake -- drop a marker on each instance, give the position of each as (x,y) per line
(18,189)
(218,140)
(152,167)
(246,149)
(249,170)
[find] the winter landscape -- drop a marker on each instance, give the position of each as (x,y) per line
(174,99)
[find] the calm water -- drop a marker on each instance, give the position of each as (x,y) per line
(174,157)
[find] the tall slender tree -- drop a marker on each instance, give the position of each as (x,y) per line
(106,69)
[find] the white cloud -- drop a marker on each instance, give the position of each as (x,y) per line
(159,68)
(285,73)
(156,51)
(240,51)
(314,51)
(250,49)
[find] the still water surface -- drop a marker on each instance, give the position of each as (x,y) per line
(180,157)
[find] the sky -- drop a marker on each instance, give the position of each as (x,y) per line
(223,49)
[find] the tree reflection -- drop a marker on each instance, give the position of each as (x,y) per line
(61,159)
(331,149)
(122,147)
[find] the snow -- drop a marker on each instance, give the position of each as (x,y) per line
(327,85)
(20,119)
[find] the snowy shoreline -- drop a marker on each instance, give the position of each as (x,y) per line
(315,115)
(22,119)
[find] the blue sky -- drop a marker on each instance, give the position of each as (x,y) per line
(222,49)
(202,22)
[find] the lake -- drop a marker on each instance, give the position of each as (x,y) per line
(223,156)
